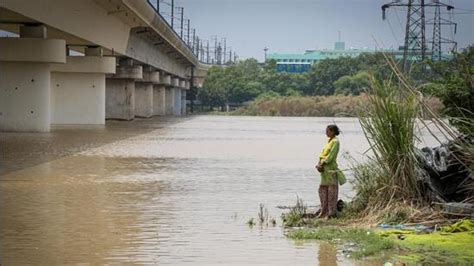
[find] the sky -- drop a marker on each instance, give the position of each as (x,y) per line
(293,26)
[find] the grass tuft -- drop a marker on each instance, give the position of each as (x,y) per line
(295,217)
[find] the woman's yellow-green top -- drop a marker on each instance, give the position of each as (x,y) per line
(328,159)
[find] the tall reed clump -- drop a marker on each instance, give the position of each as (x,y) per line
(389,126)
(390,188)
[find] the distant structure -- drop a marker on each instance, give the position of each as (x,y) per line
(415,47)
(299,63)
(339,45)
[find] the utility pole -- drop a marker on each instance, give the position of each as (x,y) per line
(182,21)
(189,28)
(215,47)
(158,6)
(172,14)
(225,51)
(207,52)
(219,54)
(202,51)
(265,51)
(194,41)
(197,47)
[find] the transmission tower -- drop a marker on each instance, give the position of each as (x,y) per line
(414,48)
(438,39)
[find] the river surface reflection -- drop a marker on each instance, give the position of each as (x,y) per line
(164,191)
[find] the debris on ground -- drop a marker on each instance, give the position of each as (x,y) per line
(446,175)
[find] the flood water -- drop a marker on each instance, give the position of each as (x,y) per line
(165,191)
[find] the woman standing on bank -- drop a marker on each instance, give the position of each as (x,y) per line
(331,176)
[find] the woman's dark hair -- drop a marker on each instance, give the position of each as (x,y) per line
(334,129)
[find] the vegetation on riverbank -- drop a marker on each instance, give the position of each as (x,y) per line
(362,242)
(321,91)
(401,246)
(394,241)
(314,106)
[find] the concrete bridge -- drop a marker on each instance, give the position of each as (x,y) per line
(82,62)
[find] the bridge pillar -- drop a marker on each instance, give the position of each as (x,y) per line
(78,88)
(144,93)
(168,94)
(175,82)
(159,95)
(143,99)
(25,79)
(183,102)
(120,91)
(182,85)
(169,98)
(177,102)
(159,100)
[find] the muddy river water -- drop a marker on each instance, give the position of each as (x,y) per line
(165,191)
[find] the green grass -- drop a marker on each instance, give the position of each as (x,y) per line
(367,243)
(435,248)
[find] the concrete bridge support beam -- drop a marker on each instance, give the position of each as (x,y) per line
(144,92)
(120,92)
(170,100)
(78,88)
(159,100)
(143,99)
(177,102)
(183,102)
(167,81)
(25,79)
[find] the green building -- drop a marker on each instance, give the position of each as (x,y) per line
(298,63)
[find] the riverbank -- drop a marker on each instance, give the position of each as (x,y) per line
(442,242)
(314,106)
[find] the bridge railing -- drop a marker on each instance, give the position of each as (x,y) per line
(196,45)
(153,4)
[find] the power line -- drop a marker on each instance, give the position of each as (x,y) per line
(393,32)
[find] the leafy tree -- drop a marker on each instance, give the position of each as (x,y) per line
(352,85)
(454,84)
(213,93)
(324,74)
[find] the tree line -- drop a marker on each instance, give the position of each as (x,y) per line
(248,79)
(450,80)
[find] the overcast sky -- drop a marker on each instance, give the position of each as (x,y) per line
(299,25)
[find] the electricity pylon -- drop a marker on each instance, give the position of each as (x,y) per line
(438,39)
(414,48)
